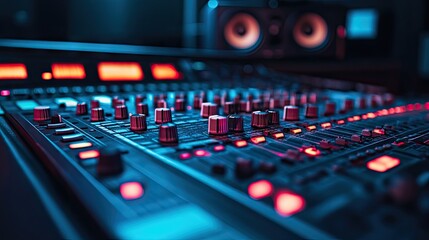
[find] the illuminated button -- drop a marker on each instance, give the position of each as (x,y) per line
(80,145)
(288,203)
(278,135)
(240,143)
(68,71)
(165,71)
(383,163)
(378,131)
(120,71)
(131,190)
(13,71)
(185,155)
(64,131)
(312,152)
(260,189)
(340,122)
(89,154)
(296,131)
(201,153)
(5,93)
(219,148)
(258,139)
(326,125)
(72,137)
(46,76)
(311,128)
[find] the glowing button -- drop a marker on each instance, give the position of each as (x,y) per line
(46,76)
(258,139)
(165,71)
(13,71)
(131,190)
(219,148)
(326,125)
(4,93)
(311,128)
(296,131)
(427,105)
(278,135)
(80,145)
(68,71)
(312,151)
(201,153)
(383,163)
(185,156)
(240,143)
(260,189)
(340,122)
(89,154)
(288,203)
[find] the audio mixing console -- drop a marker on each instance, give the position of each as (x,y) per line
(260,156)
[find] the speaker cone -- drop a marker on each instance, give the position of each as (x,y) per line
(310,31)
(242,31)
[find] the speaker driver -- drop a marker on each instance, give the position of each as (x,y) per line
(310,31)
(242,31)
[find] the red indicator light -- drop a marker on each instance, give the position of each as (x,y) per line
(89,154)
(240,143)
(364,117)
(258,139)
(350,119)
(165,71)
(185,156)
(427,105)
(341,31)
(46,76)
(13,71)
(340,122)
(391,110)
(379,131)
(68,71)
(219,148)
(4,93)
(120,71)
(131,190)
(383,163)
(201,153)
(288,203)
(326,125)
(410,107)
(312,151)
(296,131)
(356,118)
(417,106)
(312,127)
(260,189)
(278,135)
(371,115)
(80,145)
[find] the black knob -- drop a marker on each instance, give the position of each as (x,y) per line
(110,161)
(56,118)
(229,108)
(259,119)
(81,108)
(273,117)
(168,133)
(235,123)
(142,108)
(138,122)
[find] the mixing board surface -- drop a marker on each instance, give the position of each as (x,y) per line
(265,156)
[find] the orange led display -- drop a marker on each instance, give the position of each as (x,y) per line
(383,163)
(165,71)
(13,71)
(288,203)
(68,71)
(120,71)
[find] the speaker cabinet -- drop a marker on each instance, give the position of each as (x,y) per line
(298,31)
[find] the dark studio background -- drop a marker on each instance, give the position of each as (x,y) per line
(397,57)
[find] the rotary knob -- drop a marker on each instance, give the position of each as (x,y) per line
(349,104)
(274,103)
(257,104)
(161,104)
(121,112)
(273,117)
(97,115)
(208,109)
(168,133)
(259,119)
(56,118)
(81,108)
(229,108)
(41,113)
(311,111)
(110,161)
(362,103)
(117,102)
(197,102)
(139,98)
(179,105)
(162,115)
(235,123)
(95,104)
(330,108)
(142,108)
(138,122)
(218,125)
(290,113)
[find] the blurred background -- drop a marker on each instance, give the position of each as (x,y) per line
(385,42)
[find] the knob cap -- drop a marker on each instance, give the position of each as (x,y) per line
(56,118)
(95,104)
(168,133)
(256,104)
(273,117)
(349,104)
(218,125)
(138,122)
(259,119)
(41,113)
(139,98)
(330,108)
(121,112)
(162,115)
(97,115)
(290,113)
(117,102)
(161,104)
(235,123)
(274,103)
(229,108)
(110,161)
(81,108)
(362,103)
(179,105)
(142,108)
(197,102)
(311,111)
(208,109)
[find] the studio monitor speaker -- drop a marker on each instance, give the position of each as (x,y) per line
(297,31)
